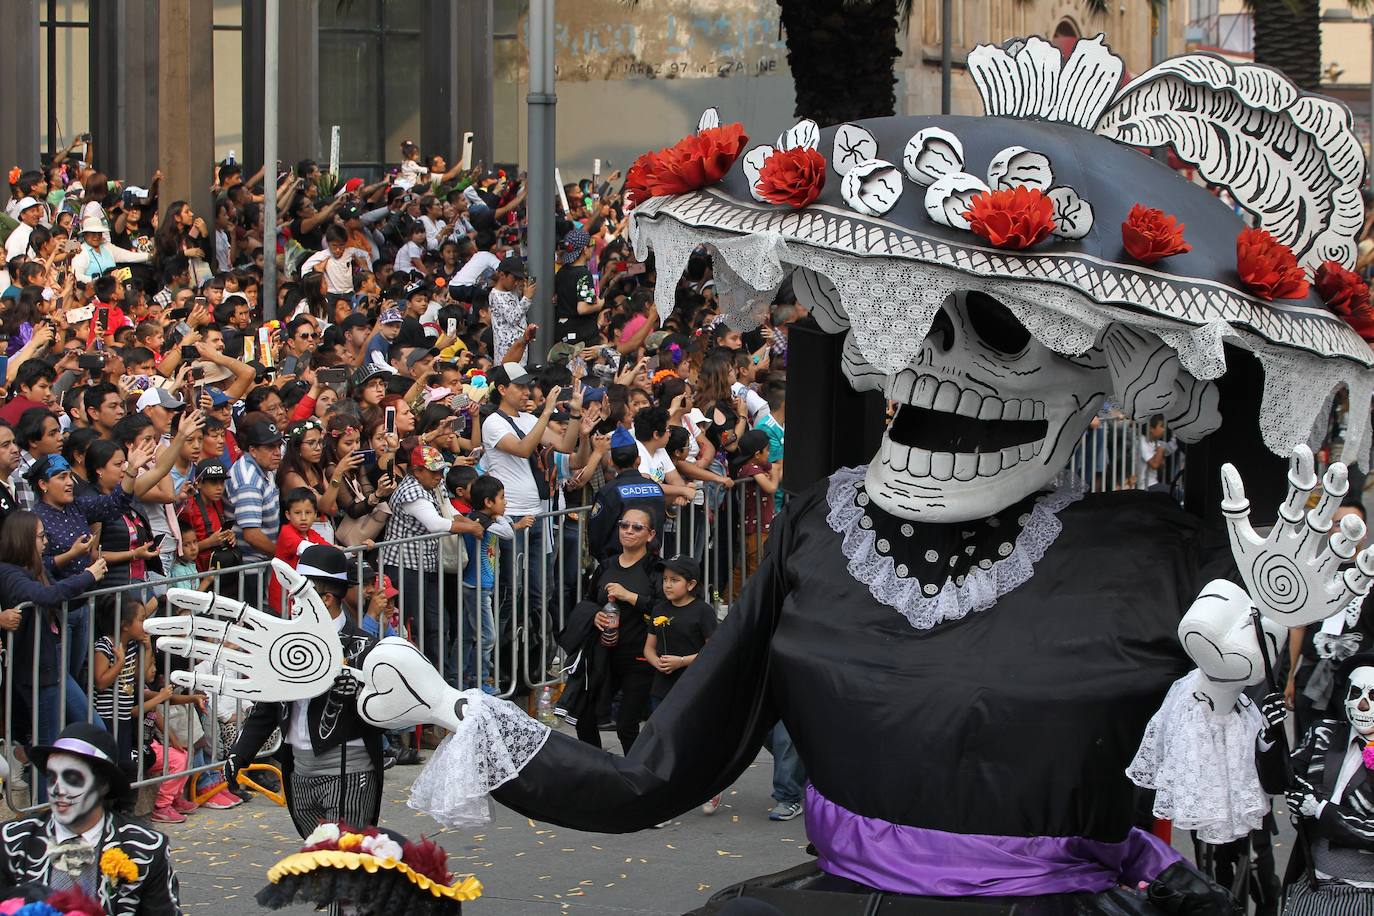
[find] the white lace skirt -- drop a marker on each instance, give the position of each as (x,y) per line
(494,742)
(1202,765)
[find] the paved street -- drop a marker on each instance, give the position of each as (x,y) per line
(525,867)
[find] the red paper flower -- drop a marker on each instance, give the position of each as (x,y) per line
(429,859)
(693,162)
(1149,235)
(793,177)
(1267,267)
(1348,296)
(1016,218)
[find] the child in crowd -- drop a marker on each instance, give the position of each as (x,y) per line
(186,561)
(204,511)
(487,497)
(750,463)
(301,512)
(679,627)
(379,617)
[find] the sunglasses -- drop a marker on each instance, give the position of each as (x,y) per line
(636,527)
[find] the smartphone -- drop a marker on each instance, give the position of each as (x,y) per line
(265,346)
(577,366)
(197,393)
(460,401)
(369,456)
(391,421)
(102,316)
(157,541)
(250,349)
(476,454)
(78,315)
(72,245)
(289,365)
(199,301)
(334,376)
(453,327)
(90,362)
(189,353)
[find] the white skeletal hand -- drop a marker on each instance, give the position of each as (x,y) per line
(261,656)
(1294,574)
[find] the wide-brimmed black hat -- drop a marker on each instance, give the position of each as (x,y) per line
(93,744)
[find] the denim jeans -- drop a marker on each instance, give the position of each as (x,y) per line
(479,637)
(789,775)
(54,714)
(78,632)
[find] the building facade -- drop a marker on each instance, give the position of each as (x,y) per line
(177,84)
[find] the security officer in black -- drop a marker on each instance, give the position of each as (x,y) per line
(629,488)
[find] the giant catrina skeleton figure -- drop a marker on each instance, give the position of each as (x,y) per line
(966,654)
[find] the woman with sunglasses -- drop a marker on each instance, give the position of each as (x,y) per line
(347,463)
(302,466)
(613,649)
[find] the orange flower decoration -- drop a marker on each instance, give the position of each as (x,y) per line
(1016,218)
(693,162)
(1268,267)
(14,175)
(1149,235)
(1347,295)
(793,177)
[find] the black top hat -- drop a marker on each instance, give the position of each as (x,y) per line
(93,744)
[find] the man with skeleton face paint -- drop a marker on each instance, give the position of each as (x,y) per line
(1332,790)
(62,848)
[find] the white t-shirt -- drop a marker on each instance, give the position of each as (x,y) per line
(472,271)
(656,466)
(1148,476)
(338,272)
(408,257)
(522,495)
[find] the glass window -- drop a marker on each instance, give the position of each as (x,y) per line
(355,14)
(348,94)
(64,84)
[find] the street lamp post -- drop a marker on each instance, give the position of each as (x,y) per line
(542,105)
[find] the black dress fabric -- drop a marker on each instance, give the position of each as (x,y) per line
(1018,720)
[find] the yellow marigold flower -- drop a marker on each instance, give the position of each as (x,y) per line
(350,841)
(660,621)
(116,864)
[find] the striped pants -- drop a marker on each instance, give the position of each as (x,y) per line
(316,798)
(1329,898)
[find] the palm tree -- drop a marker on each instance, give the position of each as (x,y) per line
(1288,37)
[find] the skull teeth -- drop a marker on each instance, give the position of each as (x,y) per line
(962,466)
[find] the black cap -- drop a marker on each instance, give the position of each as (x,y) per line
(355,320)
(323,561)
(211,470)
(515,266)
(264,432)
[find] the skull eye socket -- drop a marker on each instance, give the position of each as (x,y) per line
(995,325)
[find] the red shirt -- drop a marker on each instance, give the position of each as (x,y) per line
(754,497)
(12,411)
(117,320)
(203,526)
(289,543)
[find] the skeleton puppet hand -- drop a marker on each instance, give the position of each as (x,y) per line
(1303,799)
(1294,574)
(263,656)
(1275,713)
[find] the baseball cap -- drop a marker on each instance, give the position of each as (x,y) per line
(621,438)
(352,211)
(752,442)
(264,432)
(212,470)
(573,245)
(513,265)
(417,288)
(160,397)
(428,457)
(694,416)
(654,342)
(509,374)
(391,316)
(353,184)
(418,354)
(25,204)
(217,397)
(685,567)
(562,351)
(368,371)
(389,587)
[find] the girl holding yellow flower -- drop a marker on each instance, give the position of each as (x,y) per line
(680,626)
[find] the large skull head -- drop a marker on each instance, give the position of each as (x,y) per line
(988,415)
(1359,701)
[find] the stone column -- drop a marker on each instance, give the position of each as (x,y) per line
(186,103)
(20,114)
(298,97)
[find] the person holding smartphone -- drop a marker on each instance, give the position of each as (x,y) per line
(509,300)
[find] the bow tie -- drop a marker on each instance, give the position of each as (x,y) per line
(72,856)
(1336,648)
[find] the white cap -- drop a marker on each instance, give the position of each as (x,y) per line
(94,224)
(26,203)
(159,396)
(696,417)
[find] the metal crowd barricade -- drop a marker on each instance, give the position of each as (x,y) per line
(1107,458)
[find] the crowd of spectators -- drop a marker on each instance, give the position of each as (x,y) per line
(158,430)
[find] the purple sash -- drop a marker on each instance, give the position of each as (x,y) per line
(913,860)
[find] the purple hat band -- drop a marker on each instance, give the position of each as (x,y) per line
(84,748)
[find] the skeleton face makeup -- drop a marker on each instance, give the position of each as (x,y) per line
(988,415)
(72,787)
(1359,701)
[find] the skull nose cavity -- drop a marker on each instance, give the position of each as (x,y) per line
(941,333)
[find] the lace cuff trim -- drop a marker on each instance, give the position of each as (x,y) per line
(981,587)
(495,741)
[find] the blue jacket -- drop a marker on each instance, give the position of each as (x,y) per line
(42,622)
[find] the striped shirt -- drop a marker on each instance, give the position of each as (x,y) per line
(120,699)
(255,502)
